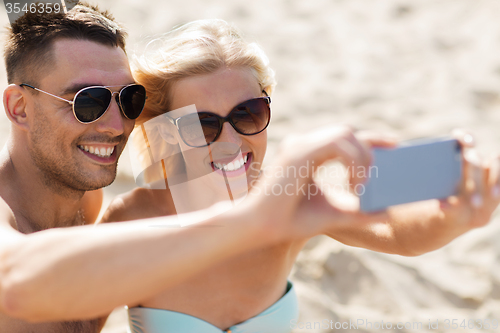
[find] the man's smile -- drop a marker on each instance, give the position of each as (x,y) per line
(99,152)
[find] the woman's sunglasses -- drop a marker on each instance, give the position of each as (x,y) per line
(90,103)
(248,118)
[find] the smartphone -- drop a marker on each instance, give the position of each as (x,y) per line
(416,170)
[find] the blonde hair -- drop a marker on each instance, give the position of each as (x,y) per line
(196,48)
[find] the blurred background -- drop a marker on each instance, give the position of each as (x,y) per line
(413,68)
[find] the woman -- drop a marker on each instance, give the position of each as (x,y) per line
(216,89)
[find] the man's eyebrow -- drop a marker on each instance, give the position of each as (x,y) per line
(73,89)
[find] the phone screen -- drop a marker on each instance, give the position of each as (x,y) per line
(414,171)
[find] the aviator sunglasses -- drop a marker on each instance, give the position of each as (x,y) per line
(248,118)
(90,103)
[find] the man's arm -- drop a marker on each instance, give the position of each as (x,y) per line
(85,272)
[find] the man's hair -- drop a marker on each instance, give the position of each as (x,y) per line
(28,51)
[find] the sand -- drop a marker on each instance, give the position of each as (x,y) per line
(413,68)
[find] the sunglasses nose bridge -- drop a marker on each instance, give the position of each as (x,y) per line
(222,120)
(112,120)
(228,133)
(229,120)
(116,95)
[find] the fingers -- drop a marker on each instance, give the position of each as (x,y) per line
(343,213)
(375,139)
(492,183)
(301,155)
(357,159)
(327,143)
(369,140)
(494,173)
(465,138)
(473,181)
(471,161)
(480,187)
(342,143)
(354,149)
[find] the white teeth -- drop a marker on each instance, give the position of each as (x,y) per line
(102,152)
(235,165)
(245,158)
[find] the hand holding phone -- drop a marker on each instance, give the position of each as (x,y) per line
(414,171)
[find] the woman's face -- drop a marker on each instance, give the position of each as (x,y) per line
(219,93)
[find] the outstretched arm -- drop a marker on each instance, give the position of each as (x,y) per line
(85,272)
(417,228)
(409,230)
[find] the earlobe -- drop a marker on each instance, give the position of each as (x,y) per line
(15,105)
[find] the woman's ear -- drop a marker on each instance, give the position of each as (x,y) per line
(14,103)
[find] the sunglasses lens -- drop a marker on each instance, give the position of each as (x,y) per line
(132,100)
(248,118)
(210,126)
(251,117)
(91,103)
(198,129)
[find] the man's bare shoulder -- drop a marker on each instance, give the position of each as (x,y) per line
(139,203)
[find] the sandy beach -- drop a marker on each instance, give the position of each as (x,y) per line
(414,68)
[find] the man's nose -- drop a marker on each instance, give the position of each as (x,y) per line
(112,121)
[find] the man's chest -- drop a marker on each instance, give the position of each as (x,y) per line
(12,325)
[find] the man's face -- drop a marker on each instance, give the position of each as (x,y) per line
(60,145)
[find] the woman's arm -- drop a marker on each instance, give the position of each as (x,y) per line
(417,228)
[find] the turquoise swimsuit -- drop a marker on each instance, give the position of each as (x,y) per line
(275,319)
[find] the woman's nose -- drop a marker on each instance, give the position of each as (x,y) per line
(229,134)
